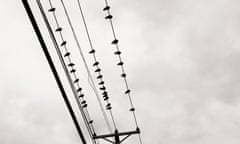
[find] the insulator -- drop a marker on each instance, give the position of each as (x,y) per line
(63,43)
(106,8)
(85,105)
(105,98)
(92,51)
(138,129)
(83,102)
(120,63)
(109,17)
(115,41)
(101,83)
(79,89)
(108,106)
(52,9)
(67,54)
(98,70)
(102,88)
(76,81)
(123,75)
(127,91)
(132,109)
(104,93)
(96,63)
(81,95)
(99,77)
(90,122)
(117,53)
(71,64)
(59,29)
(73,71)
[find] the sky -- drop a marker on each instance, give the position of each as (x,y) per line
(182,60)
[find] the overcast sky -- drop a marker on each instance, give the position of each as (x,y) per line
(182,57)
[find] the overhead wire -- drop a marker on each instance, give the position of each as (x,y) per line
(118,53)
(59,53)
(90,121)
(53,68)
(93,52)
(96,63)
(86,66)
(73,80)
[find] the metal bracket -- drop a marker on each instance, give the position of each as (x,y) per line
(117,136)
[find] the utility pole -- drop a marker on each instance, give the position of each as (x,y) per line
(116,137)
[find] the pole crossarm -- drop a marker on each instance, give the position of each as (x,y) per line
(117,136)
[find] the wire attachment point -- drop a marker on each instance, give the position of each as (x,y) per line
(124,75)
(52,9)
(63,43)
(92,51)
(117,53)
(96,63)
(127,91)
(101,83)
(98,70)
(59,29)
(67,54)
(71,64)
(115,41)
(132,109)
(106,8)
(120,63)
(109,17)
(99,77)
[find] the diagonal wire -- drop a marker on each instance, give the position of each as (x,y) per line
(109,17)
(51,64)
(91,46)
(63,63)
(69,58)
(86,66)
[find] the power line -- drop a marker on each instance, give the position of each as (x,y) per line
(81,107)
(93,52)
(86,66)
(70,72)
(53,69)
(121,64)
